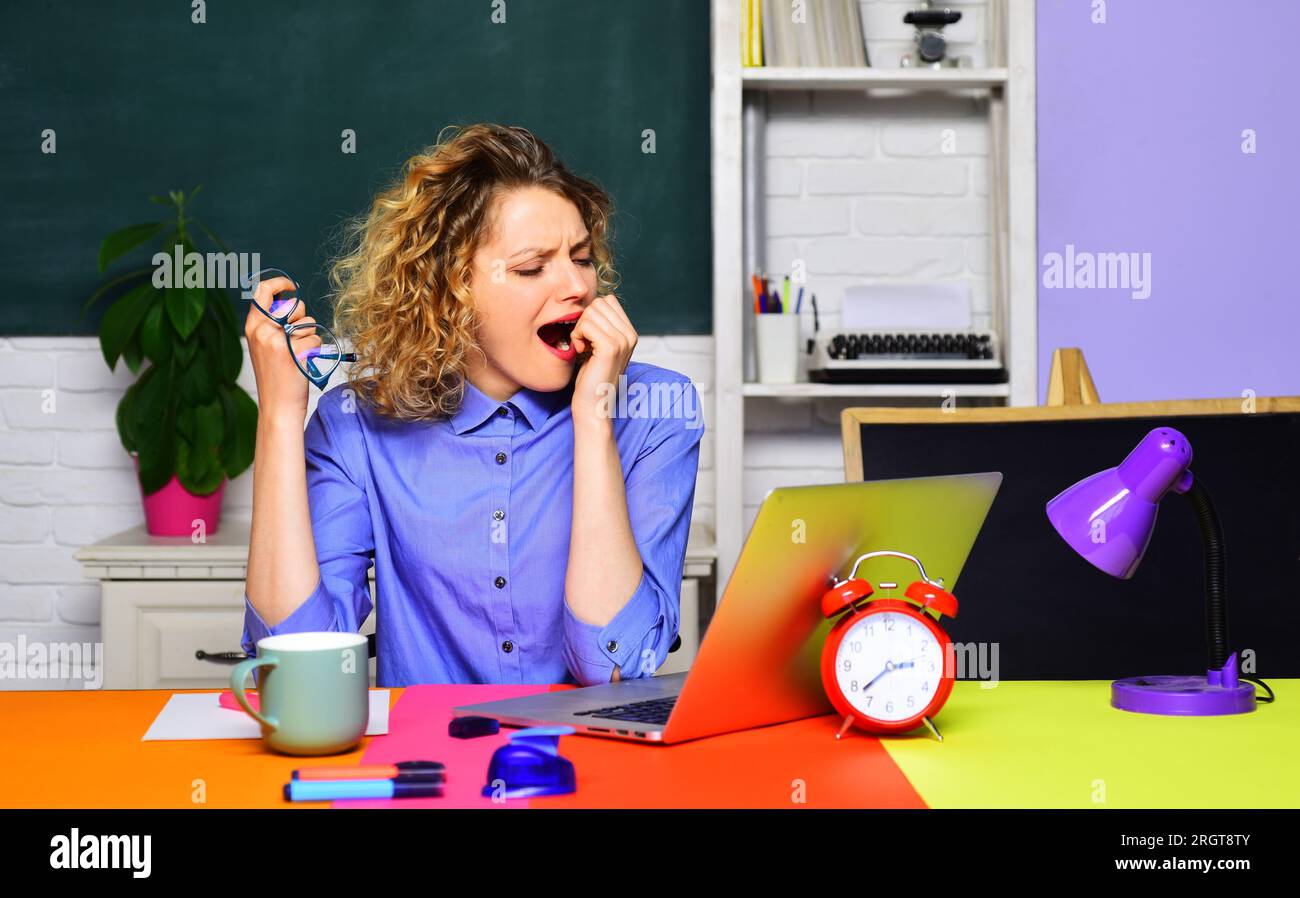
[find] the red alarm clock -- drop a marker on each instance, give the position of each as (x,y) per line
(887,664)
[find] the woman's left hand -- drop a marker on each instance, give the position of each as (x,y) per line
(605,331)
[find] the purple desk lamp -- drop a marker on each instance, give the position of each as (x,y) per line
(1108,518)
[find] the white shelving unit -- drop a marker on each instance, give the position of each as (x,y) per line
(736,178)
(856,78)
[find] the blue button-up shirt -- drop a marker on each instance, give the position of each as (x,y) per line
(468,520)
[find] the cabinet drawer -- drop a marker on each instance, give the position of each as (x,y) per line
(170,640)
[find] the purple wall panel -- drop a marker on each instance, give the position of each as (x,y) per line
(1140,123)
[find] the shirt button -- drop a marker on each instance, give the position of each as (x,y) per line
(501,458)
(507,646)
(502,412)
(500,582)
(498,514)
(612,646)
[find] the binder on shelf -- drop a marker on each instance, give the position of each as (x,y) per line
(828,35)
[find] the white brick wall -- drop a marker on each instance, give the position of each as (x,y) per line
(878,190)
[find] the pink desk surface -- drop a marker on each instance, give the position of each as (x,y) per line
(798,764)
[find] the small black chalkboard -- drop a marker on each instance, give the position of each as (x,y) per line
(1053,615)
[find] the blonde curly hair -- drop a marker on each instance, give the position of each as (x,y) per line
(402,284)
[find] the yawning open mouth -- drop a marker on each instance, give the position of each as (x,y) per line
(555,335)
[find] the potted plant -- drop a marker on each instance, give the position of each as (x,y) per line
(189,426)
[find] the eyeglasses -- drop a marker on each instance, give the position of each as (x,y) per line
(317,363)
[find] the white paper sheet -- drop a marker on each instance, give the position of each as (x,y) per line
(885,306)
(198,715)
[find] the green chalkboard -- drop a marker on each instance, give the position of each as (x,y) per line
(253,103)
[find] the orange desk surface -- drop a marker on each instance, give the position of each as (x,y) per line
(84,749)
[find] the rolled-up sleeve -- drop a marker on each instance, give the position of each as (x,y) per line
(660,496)
(341,528)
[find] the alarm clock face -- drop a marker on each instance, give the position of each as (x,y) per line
(889,666)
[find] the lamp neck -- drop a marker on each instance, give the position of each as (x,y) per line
(1216,607)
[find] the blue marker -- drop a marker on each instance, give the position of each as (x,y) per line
(332,790)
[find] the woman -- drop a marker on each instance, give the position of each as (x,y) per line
(525,526)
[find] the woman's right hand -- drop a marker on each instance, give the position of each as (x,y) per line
(282,568)
(281,387)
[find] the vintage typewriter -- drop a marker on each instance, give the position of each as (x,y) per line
(906,357)
(906,334)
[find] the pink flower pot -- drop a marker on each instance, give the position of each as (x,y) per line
(172,510)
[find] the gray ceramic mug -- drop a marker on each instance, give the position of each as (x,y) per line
(314,691)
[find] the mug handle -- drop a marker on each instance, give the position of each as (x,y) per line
(237,678)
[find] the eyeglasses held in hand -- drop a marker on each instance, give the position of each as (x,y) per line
(316,363)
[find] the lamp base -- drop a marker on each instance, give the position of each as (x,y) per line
(1181,696)
(1218,692)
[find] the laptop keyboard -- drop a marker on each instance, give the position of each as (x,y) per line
(655,710)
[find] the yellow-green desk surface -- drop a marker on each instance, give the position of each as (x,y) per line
(1059,744)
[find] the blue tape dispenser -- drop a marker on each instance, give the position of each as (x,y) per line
(530,764)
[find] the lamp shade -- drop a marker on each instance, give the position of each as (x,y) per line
(1108,517)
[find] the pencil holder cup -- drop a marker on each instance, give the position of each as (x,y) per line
(778,348)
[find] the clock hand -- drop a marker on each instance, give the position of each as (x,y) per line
(887,669)
(889,665)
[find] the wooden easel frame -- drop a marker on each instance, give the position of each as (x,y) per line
(1070,382)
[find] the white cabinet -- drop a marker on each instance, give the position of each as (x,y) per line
(165,600)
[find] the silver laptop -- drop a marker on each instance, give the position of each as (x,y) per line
(759,661)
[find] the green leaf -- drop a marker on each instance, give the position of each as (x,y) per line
(153,426)
(121,321)
(152,402)
(155,334)
(198,462)
(224,347)
(131,353)
(185,308)
(185,422)
(209,424)
(197,469)
(221,306)
(185,350)
(226,397)
(120,279)
(240,430)
(124,416)
(157,462)
(197,385)
(121,242)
